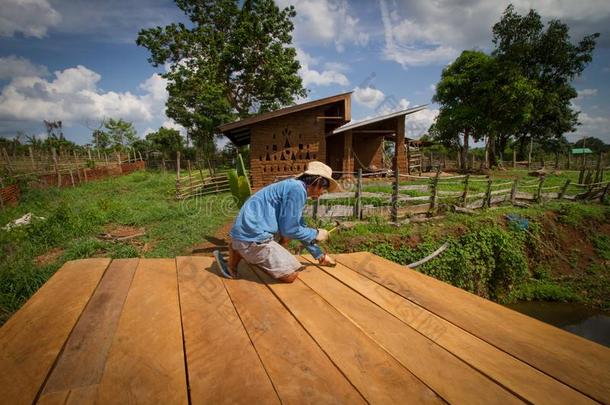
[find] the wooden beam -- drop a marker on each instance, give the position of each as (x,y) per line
(330,118)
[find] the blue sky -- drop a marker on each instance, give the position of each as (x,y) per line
(76,60)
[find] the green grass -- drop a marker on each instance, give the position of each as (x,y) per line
(74,216)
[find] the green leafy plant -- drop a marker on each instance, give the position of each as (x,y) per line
(239,183)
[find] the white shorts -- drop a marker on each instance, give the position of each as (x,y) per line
(268,255)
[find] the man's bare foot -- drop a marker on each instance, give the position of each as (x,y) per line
(289,278)
(326,260)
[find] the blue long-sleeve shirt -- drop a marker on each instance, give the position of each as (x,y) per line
(276,208)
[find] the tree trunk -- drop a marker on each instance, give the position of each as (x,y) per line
(465,150)
(492,160)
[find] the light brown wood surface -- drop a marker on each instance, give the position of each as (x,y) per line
(518,377)
(174,331)
(32,338)
(376,374)
(223,367)
(300,371)
(575,361)
(146,361)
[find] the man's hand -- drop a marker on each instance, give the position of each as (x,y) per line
(326,260)
(322,235)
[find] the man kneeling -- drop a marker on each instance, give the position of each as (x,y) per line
(277,210)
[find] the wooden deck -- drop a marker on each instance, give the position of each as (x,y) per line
(171,331)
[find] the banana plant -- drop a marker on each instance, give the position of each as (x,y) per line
(239,183)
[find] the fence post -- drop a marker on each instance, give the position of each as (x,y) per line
(394,207)
(71,176)
(487,200)
(563,189)
(514,158)
(513,191)
(8,160)
(55,165)
(358,196)
(89,153)
(568,168)
(465,194)
(177,173)
(106,158)
(539,192)
(188,163)
(601,197)
(316,204)
(433,196)
(76,164)
(598,169)
(32,157)
(140,155)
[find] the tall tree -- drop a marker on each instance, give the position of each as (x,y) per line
(234,61)
(167,141)
(549,60)
(120,132)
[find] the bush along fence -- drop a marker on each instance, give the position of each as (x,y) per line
(409,195)
(62,174)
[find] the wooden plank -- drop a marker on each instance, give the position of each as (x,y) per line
(30,341)
(298,368)
(529,383)
(577,362)
(429,362)
(82,361)
(223,366)
(376,374)
(146,361)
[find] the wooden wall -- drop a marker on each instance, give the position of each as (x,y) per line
(368,149)
(283,146)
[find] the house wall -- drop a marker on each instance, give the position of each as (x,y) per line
(368,150)
(283,146)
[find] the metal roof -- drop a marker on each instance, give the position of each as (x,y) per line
(581,151)
(283,111)
(359,124)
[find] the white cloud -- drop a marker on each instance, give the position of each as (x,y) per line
(72,96)
(421,33)
(325,22)
(32,18)
(14,66)
(418,123)
(171,124)
(368,96)
(331,75)
(586,93)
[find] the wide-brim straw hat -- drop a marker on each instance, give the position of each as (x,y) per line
(316,168)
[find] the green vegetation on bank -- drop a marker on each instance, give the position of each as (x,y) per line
(141,201)
(562,255)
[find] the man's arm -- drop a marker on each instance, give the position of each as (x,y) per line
(290,219)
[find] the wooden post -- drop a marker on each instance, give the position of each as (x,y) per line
(459,160)
(8,160)
(99,157)
(89,153)
(76,164)
(473,162)
(514,158)
(539,192)
(601,197)
(163,165)
(358,197)
(569,160)
(598,169)
(408,145)
(118,157)
(433,196)
(487,199)
(32,158)
(106,158)
(394,207)
(513,192)
(316,204)
(85,174)
(55,165)
(140,154)
(188,163)
(529,155)
(177,173)
(465,194)
(563,190)
(71,176)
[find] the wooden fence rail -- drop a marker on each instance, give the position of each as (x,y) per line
(397,204)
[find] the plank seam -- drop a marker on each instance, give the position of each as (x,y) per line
(490,343)
(250,339)
(186,367)
(63,346)
(518,395)
(306,331)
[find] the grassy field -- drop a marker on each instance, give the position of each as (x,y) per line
(74,217)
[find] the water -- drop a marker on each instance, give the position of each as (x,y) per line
(586,322)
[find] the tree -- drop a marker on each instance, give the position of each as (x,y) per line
(101,139)
(166,141)
(549,60)
(595,144)
(120,132)
(232,62)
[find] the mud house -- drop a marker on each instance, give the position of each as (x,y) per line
(283,141)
